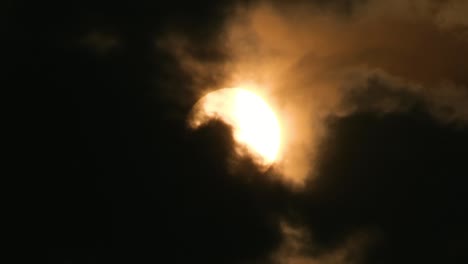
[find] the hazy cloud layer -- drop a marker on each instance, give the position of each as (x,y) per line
(313,61)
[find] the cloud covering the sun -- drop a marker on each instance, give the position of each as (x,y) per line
(319,61)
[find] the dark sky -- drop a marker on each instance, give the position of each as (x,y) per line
(125,180)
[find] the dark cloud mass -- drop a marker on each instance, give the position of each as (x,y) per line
(381,89)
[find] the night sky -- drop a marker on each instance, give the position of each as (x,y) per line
(125,180)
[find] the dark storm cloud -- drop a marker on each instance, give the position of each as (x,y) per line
(219,215)
(398,174)
(381,93)
(128,182)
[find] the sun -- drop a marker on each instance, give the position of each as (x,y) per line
(254,123)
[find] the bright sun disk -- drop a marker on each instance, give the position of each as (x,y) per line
(254,123)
